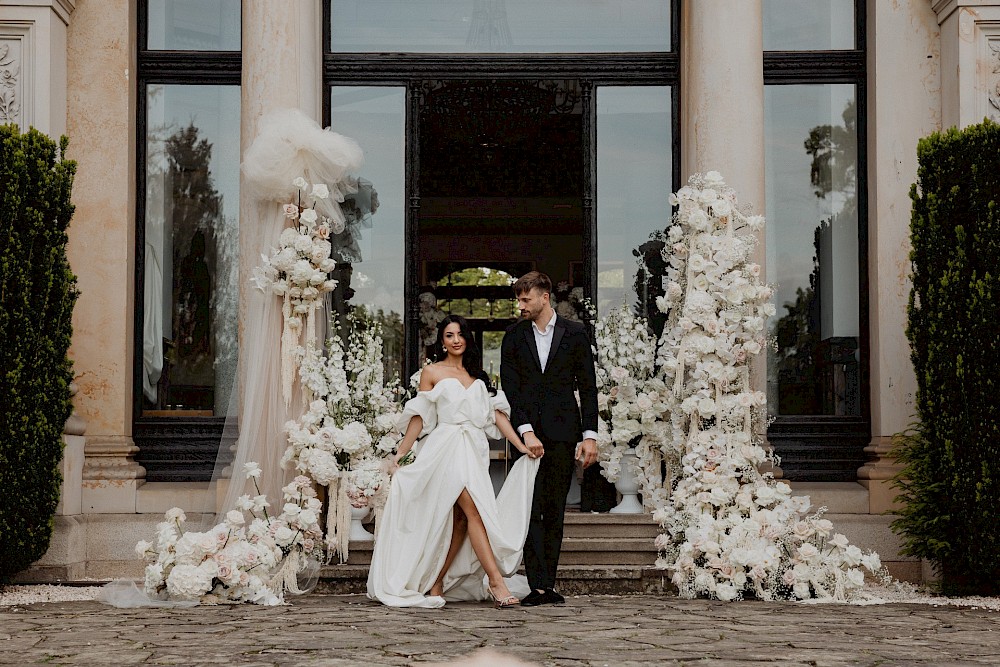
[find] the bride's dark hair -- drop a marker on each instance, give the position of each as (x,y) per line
(472,358)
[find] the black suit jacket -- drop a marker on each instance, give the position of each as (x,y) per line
(546,400)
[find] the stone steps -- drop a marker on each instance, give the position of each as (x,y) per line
(615,553)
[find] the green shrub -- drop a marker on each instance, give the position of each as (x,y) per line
(951,480)
(37,293)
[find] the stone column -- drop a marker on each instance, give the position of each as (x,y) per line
(722,107)
(970,54)
(100,105)
(282,68)
(282,61)
(33,63)
(904,64)
(722,94)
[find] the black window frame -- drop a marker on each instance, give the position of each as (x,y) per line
(181,449)
(824,447)
(407,70)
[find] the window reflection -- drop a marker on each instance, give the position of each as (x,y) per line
(190,295)
(194,25)
(499,26)
(633,185)
(812,248)
(370,259)
(808,25)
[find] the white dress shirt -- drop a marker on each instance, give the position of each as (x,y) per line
(543,343)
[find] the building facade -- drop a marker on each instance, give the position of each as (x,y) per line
(500,136)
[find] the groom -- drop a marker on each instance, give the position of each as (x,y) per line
(543,360)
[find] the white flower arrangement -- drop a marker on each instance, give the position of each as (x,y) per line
(349,430)
(430,318)
(236,560)
(730,531)
(630,400)
(298,271)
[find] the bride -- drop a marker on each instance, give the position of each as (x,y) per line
(443,534)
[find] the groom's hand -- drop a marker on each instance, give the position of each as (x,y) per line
(534,445)
(586,452)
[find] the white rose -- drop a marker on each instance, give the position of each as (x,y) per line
(852,556)
(807,551)
(840,540)
(721,208)
(176,514)
(188,582)
(801,590)
(706,406)
(235,517)
(823,527)
(300,183)
(283,535)
(855,578)
(141,547)
(308,216)
(320,191)
(302,243)
(725,592)
(698,220)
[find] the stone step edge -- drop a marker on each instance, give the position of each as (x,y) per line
(608,518)
(569,543)
(348,571)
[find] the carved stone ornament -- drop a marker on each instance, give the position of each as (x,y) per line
(10,72)
(993,85)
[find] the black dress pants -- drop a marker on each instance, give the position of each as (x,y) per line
(548,508)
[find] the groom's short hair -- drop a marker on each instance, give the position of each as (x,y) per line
(531,280)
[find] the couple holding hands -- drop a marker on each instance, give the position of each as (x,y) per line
(443,535)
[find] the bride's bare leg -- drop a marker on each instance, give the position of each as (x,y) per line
(481,545)
(459,528)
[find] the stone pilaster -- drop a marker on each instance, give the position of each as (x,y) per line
(904,63)
(101,110)
(722,100)
(111,477)
(33,63)
(970,52)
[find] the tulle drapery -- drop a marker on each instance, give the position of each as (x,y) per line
(289,145)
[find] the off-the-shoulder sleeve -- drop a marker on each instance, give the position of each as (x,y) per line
(498,402)
(421,405)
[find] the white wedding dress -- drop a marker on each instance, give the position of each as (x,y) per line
(415,529)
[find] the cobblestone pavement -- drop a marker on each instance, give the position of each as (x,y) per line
(600,630)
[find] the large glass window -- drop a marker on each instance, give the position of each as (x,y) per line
(634,180)
(808,25)
(187,253)
(499,26)
(812,248)
(194,25)
(191,253)
(370,252)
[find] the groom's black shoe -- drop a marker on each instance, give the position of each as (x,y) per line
(533,599)
(551,597)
